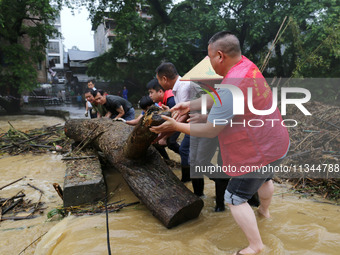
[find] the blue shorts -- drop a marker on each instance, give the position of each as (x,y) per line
(129,115)
(241,189)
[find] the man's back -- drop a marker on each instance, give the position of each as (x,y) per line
(114,102)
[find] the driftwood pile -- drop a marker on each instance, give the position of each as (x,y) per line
(89,209)
(315,143)
(18,207)
(51,138)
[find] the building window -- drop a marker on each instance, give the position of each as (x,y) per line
(56,59)
(39,65)
(57,34)
(110,24)
(57,20)
(53,47)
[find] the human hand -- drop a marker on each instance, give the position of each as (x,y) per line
(180,110)
(159,137)
(197,118)
(165,107)
(86,113)
(168,126)
(120,119)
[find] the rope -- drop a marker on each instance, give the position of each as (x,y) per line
(107,227)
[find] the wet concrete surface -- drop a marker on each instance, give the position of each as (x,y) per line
(75,111)
(84,182)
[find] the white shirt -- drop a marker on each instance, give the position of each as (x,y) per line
(89,105)
(184,91)
(25,98)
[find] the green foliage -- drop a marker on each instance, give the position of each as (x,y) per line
(308,45)
(19,68)
(173,34)
(318,44)
(55,211)
(25,28)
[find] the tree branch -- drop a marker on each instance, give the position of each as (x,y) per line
(232,8)
(161,12)
(32,19)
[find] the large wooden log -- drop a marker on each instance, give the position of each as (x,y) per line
(144,170)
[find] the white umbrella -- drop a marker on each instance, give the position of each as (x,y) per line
(204,75)
(203,72)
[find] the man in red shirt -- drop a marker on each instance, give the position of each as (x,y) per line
(242,146)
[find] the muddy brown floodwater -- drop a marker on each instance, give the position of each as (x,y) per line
(298,225)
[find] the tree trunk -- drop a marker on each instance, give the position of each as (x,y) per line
(144,170)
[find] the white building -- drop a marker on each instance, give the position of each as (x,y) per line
(104,34)
(55,56)
(55,50)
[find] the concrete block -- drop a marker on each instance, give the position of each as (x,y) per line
(84,181)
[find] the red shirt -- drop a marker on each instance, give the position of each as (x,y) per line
(244,147)
(167,94)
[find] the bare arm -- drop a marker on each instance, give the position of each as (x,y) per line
(183,108)
(108,114)
(195,105)
(200,129)
(120,111)
(135,121)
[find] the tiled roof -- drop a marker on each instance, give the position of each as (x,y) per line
(81,55)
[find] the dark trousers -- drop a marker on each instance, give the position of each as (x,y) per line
(93,115)
(202,151)
(161,150)
(172,142)
(184,150)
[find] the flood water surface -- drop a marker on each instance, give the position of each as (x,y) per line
(27,122)
(298,225)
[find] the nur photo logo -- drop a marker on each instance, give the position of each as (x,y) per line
(238,103)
